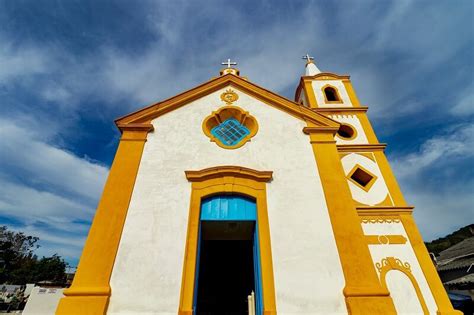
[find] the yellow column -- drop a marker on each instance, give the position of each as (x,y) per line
(363,291)
(309,93)
(90,290)
(436,286)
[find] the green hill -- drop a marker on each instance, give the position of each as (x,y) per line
(442,243)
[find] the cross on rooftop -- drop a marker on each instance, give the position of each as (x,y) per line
(307,57)
(229,63)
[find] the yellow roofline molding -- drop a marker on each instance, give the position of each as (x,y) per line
(325,75)
(136,127)
(339,109)
(153,111)
(384,211)
(310,130)
(361,147)
(234,171)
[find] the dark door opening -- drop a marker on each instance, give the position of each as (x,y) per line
(225,267)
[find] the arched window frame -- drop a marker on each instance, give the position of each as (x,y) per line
(336,91)
(391,263)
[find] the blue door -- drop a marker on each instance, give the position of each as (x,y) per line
(239,209)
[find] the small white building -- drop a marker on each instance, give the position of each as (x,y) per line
(43,301)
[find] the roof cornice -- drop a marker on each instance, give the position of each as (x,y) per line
(153,111)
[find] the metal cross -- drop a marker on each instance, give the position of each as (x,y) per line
(308,58)
(229,63)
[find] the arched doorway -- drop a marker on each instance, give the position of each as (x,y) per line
(228,256)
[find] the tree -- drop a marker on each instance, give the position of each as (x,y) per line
(19,264)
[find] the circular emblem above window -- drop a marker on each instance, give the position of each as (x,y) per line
(230,127)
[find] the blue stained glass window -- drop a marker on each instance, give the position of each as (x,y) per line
(230,132)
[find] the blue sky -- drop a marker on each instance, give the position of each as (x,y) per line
(69,68)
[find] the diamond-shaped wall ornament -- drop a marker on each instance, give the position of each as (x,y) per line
(362,177)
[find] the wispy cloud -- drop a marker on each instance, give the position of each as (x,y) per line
(438,180)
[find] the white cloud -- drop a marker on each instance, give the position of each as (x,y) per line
(15,63)
(458,142)
(448,204)
(49,165)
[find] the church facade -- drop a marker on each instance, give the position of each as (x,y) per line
(231,199)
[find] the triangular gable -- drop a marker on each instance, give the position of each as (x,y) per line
(145,115)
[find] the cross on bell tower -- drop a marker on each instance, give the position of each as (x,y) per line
(310,68)
(308,58)
(229,69)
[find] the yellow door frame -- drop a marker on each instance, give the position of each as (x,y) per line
(227,180)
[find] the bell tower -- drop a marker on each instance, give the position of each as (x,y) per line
(391,234)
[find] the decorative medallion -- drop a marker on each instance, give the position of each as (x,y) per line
(230,127)
(229,96)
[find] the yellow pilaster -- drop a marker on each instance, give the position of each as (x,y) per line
(309,93)
(350,91)
(363,291)
(90,290)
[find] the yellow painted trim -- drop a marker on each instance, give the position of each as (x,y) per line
(351,92)
(90,290)
(387,202)
(351,148)
(368,155)
(327,76)
(389,178)
(338,95)
(153,111)
(377,219)
(367,127)
(369,184)
(382,212)
(429,270)
(229,180)
(310,96)
(392,263)
(385,239)
(222,114)
(341,110)
(229,171)
(363,291)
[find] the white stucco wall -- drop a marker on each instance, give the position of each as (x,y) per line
(43,301)
(400,287)
(147,274)
(318,84)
